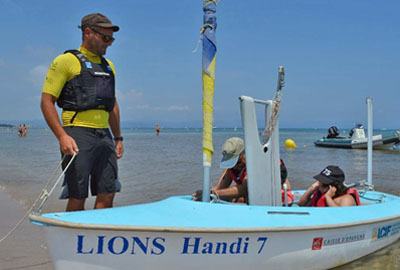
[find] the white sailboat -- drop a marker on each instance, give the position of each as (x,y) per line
(179,233)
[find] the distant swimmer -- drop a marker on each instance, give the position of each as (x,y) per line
(22,130)
(158,129)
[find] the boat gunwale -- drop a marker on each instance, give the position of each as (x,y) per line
(73,225)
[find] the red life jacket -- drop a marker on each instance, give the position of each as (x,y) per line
(290,197)
(238,179)
(319,200)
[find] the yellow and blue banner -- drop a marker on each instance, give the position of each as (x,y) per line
(209,54)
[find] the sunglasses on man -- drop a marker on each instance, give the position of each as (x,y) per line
(105,38)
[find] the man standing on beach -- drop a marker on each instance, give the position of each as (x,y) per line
(83,85)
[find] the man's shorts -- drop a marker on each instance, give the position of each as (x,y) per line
(96,163)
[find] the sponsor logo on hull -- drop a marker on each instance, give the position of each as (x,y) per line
(320,242)
(385,231)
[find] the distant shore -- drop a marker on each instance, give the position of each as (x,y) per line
(6,126)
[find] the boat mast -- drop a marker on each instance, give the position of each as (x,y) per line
(369,146)
(208,73)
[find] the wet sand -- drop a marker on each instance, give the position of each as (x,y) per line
(25,248)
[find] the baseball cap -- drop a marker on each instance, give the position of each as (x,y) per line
(231,150)
(330,175)
(97,19)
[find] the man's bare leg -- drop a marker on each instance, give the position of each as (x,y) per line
(75,204)
(104,200)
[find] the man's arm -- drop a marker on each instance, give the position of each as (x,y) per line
(305,199)
(114,122)
(223,190)
(223,182)
(235,191)
(67,144)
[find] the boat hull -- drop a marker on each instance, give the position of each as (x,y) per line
(105,249)
(178,233)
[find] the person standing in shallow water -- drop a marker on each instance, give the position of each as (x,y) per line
(158,129)
(87,115)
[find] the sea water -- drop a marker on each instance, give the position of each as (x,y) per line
(156,167)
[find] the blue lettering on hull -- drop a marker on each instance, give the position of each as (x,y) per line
(119,245)
(196,245)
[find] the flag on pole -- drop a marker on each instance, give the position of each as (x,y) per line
(208,73)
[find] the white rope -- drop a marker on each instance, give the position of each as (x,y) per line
(214,196)
(198,43)
(203,28)
(277,102)
(44,195)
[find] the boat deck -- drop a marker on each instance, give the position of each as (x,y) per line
(180,213)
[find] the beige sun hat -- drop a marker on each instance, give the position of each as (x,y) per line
(231,151)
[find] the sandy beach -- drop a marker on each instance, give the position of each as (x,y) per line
(25,248)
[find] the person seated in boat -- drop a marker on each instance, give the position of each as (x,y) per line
(329,190)
(285,180)
(234,164)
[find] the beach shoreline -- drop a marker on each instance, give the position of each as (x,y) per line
(25,248)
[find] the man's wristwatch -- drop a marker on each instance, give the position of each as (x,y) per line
(118,138)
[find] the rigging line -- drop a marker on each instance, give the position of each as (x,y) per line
(276,104)
(46,194)
(43,195)
(202,29)
(198,44)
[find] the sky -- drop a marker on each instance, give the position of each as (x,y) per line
(336,53)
